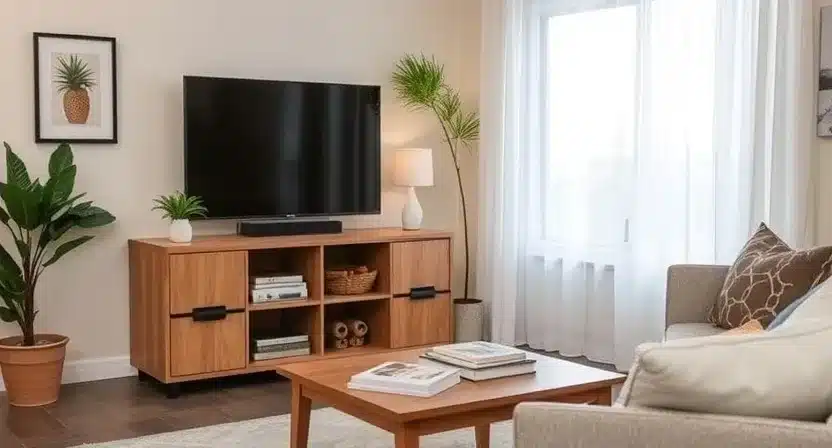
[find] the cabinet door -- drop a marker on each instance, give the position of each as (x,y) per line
(415,322)
(209,279)
(421,263)
(205,347)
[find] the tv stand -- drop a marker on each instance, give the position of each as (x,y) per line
(288,227)
(172,284)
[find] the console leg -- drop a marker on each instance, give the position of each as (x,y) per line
(173,390)
(143,377)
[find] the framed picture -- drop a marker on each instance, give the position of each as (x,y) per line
(75,89)
(825,75)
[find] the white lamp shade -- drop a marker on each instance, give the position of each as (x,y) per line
(413,167)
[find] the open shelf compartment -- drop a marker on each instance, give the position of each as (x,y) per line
(375,313)
(283,323)
(373,256)
(306,261)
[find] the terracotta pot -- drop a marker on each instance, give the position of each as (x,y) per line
(33,374)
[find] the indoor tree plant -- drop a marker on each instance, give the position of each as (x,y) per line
(180,208)
(38,217)
(420,84)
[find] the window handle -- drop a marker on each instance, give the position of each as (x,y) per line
(626,230)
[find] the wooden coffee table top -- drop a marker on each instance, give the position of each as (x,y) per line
(329,378)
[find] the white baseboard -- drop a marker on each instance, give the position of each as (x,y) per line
(95,369)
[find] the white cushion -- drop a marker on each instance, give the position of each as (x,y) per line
(783,373)
(817,306)
(693,330)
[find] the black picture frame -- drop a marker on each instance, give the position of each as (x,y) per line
(39,137)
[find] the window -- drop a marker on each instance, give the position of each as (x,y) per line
(624,84)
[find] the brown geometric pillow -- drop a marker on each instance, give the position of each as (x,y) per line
(767,276)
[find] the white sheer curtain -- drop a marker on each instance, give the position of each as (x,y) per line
(622,136)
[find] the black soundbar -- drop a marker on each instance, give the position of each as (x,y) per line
(283,228)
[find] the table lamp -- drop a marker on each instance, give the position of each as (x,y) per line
(413,168)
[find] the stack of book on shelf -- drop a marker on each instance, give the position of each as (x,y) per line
(277,287)
(480,360)
(282,347)
(405,379)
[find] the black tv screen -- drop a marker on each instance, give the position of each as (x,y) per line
(258,148)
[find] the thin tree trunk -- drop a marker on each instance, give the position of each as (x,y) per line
(464,227)
(462,198)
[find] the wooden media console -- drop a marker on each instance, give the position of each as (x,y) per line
(173,287)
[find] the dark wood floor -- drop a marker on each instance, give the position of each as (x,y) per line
(124,408)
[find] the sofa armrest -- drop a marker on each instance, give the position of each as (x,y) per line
(549,425)
(691,292)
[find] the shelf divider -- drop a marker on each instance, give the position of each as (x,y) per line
(332,299)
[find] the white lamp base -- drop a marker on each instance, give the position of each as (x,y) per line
(412,211)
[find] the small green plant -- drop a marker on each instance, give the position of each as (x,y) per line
(38,217)
(180,206)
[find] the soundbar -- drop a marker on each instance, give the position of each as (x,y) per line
(283,228)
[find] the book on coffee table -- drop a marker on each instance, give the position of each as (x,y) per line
(481,373)
(480,353)
(406,379)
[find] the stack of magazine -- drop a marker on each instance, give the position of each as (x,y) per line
(282,347)
(405,379)
(480,360)
(277,287)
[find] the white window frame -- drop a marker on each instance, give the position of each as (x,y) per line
(536,62)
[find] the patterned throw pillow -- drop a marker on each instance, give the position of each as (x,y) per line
(766,278)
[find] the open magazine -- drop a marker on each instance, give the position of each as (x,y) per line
(406,378)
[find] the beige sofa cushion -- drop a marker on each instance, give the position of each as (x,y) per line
(783,373)
(692,330)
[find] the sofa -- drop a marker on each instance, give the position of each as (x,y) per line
(691,291)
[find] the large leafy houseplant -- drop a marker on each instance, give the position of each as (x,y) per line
(39,217)
(420,84)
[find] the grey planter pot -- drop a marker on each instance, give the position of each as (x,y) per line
(468,316)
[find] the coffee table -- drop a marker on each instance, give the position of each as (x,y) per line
(468,404)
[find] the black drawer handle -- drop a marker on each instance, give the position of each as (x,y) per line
(209,313)
(422,292)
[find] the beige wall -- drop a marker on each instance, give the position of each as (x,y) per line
(85,296)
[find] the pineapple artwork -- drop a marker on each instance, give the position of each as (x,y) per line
(75,89)
(74,81)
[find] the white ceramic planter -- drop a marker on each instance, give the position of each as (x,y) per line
(468,320)
(181,231)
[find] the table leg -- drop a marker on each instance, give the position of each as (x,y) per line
(483,435)
(604,397)
(407,438)
(301,410)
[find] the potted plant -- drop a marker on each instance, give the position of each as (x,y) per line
(180,208)
(38,217)
(420,85)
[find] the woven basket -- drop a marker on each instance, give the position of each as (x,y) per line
(341,283)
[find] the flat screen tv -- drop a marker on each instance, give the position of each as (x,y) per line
(258,149)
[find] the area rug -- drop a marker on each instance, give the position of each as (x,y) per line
(329,429)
